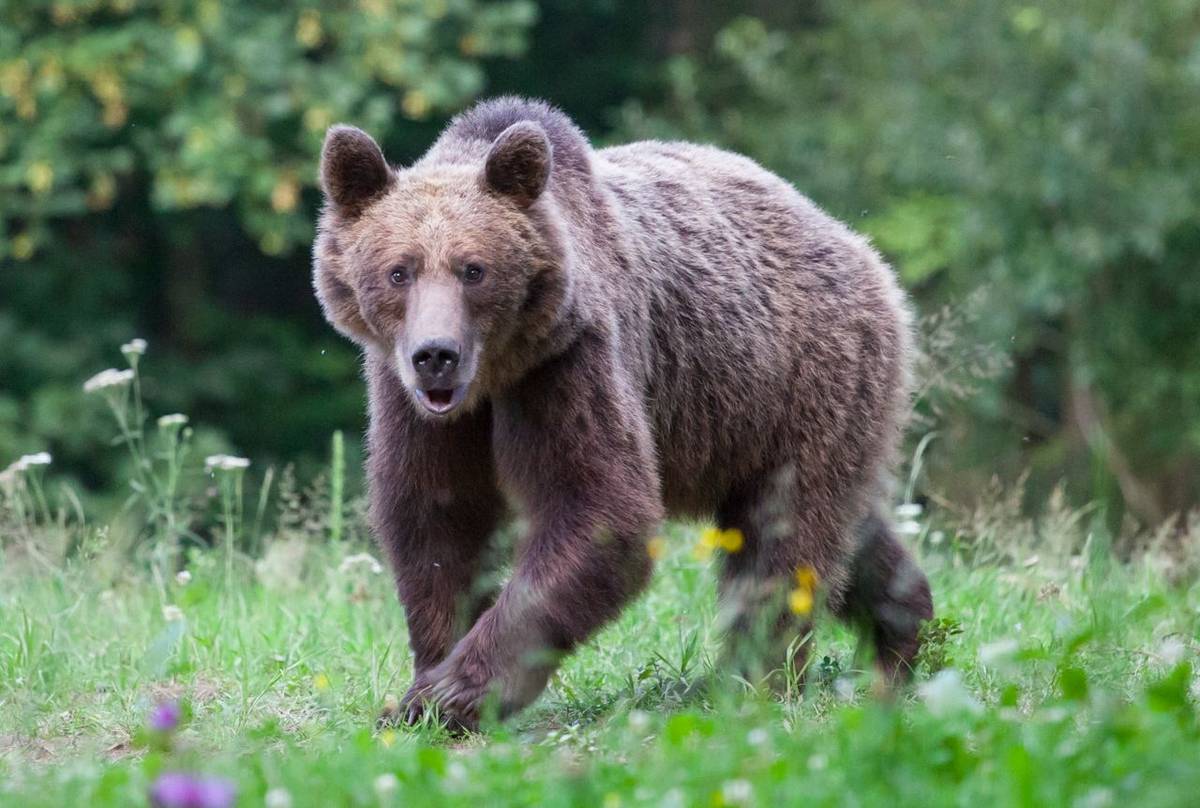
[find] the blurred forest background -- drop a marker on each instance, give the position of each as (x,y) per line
(1031,169)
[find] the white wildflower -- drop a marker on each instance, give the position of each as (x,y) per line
(223,462)
(757,736)
(171,613)
(278,798)
(909,510)
(817,762)
(456,773)
(909,528)
(360,560)
(638,721)
(135,347)
(1172,651)
(1000,654)
(843,688)
(945,694)
(183,577)
(1098,797)
(174,419)
(38,459)
(673,799)
(108,378)
(737,792)
(22,464)
(386,785)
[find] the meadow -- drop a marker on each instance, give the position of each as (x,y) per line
(251,666)
(192,612)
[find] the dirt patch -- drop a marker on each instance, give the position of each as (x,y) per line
(36,750)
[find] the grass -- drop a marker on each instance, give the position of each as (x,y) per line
(1067,683)
(1053,675)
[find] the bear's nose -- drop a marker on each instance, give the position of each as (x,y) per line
(435,360)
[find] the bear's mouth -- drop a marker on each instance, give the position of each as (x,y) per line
(441,401)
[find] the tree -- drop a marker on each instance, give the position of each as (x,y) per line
(218,104)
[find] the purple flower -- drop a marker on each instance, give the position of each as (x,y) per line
(181,790)
(165,716)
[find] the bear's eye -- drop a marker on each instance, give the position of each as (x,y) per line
(473,273)
(399,275)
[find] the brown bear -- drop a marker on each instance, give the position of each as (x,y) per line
(592,340)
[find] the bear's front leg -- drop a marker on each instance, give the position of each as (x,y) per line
(572,446)
(434,505)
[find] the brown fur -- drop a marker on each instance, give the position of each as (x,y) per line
(663,328)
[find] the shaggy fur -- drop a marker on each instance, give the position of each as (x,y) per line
(664,328)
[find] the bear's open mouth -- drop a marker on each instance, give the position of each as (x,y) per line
(441,400)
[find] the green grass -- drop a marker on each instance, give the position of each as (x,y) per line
(1068,684)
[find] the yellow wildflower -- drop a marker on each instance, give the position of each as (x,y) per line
(806,578)
(731,540)
(710,539)
(320,683)
(800,601)
(656,548)
(387,738)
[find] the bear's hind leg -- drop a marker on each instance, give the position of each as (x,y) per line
(889,596)
(791,552)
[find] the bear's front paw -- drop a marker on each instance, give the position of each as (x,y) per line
(406,710)
(457,689)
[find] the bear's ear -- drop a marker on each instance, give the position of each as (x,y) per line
(353,171)
(519,162)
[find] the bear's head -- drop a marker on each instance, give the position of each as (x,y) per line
(448,272)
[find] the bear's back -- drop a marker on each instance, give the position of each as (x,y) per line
(749,309)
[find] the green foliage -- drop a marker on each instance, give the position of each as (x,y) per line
(157,179)
(1050,701)
(936,637)
(1044,152)
(217,104)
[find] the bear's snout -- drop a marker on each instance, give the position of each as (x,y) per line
(436,366)
(435,361)
(436,353)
